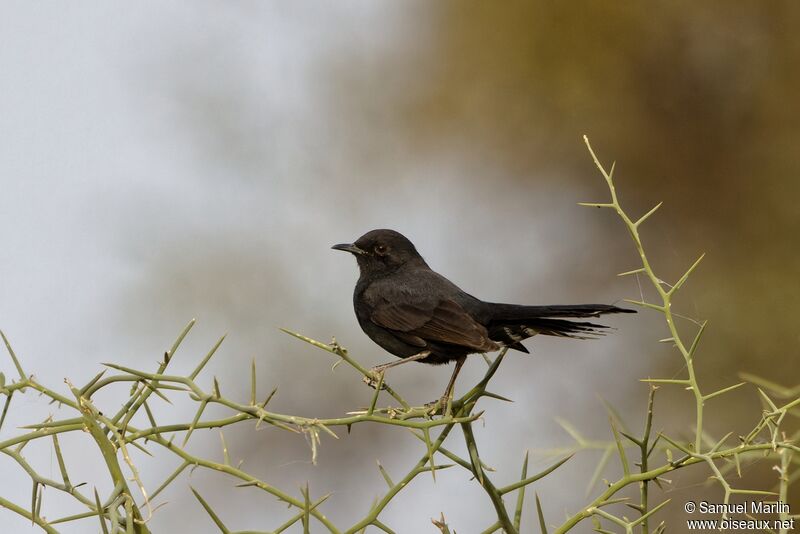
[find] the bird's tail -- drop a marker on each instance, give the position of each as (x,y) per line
(519,322)
(515,312)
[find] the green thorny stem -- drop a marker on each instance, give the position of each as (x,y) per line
(690,454)
(664,294)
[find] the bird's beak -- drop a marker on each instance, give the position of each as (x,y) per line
(349,247)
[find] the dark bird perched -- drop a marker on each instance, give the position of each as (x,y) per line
(419,315)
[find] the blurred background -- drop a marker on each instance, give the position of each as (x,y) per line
(160,162)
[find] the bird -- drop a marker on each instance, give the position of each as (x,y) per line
(416,314)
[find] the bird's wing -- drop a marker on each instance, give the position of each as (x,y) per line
(444,322)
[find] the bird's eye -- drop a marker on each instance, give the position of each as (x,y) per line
(380,250)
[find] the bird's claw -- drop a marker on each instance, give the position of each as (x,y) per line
(439,406)
(433,407)
(373,379)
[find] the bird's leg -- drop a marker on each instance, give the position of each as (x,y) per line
(448,393)
(418,356)
(372,381)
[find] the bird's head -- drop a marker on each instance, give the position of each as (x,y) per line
(381,251)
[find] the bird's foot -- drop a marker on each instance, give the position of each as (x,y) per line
(440,406)
(374,378)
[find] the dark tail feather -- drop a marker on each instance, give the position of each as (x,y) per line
(515,312)
(562,328)
(517,322)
